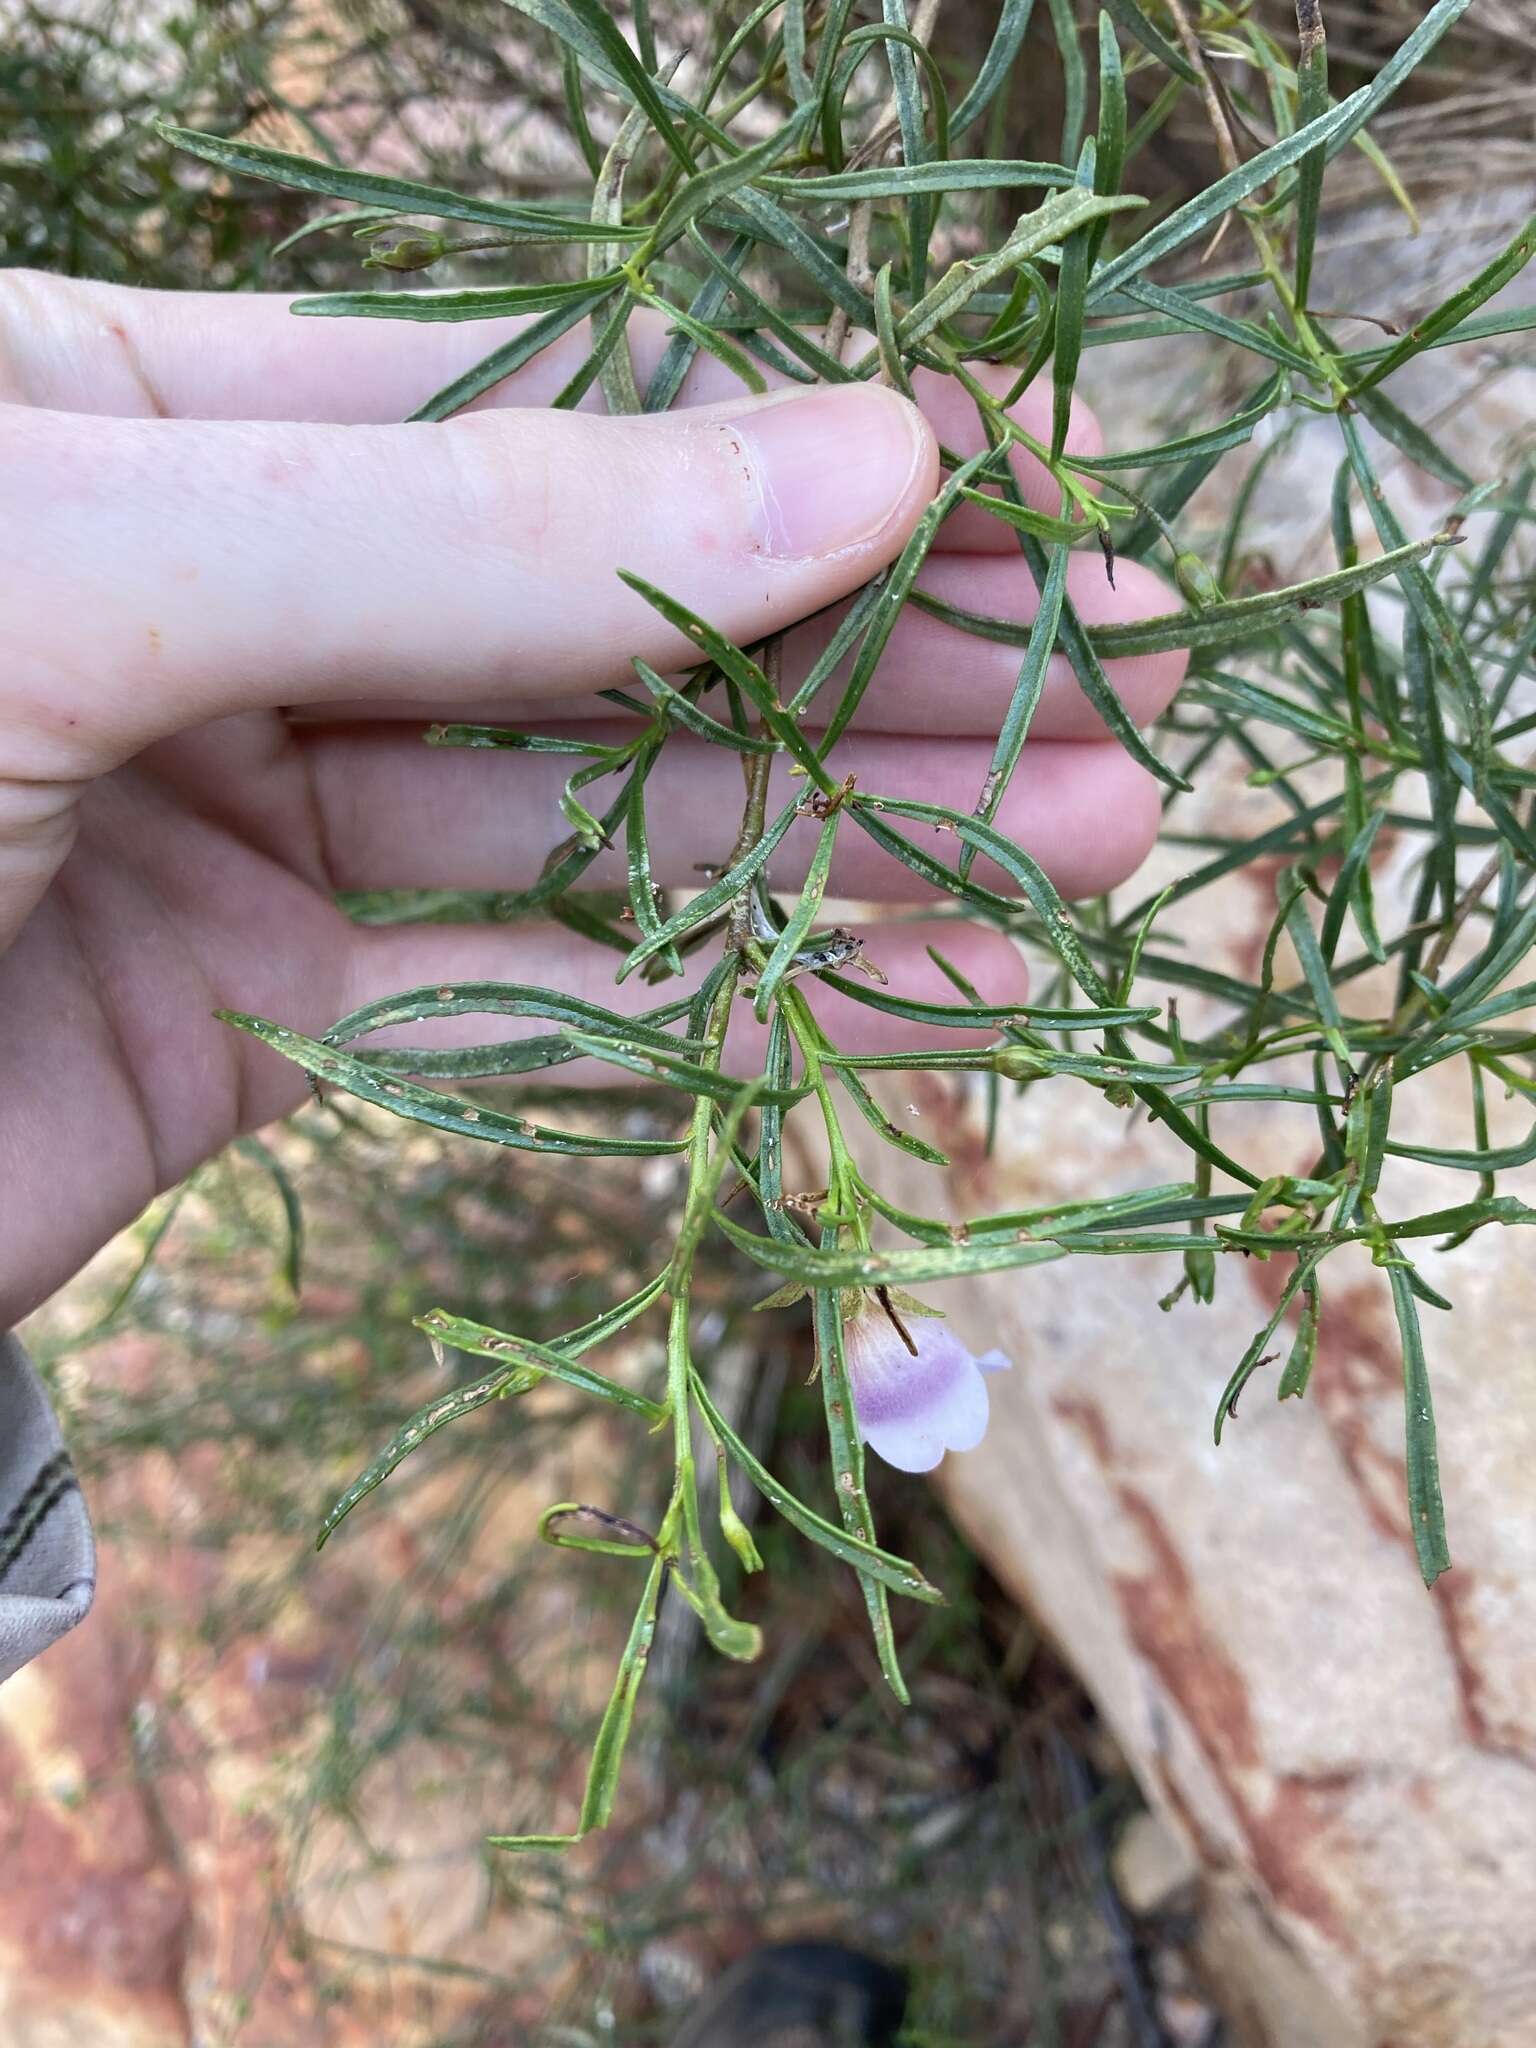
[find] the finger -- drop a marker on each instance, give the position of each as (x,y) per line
(948,408)
(161,572)
(931,675)
(75,346)
(400,815)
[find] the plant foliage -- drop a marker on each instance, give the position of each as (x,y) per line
(789,195)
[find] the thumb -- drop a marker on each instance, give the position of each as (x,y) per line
(187,569)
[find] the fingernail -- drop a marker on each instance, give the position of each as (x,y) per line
(830,467)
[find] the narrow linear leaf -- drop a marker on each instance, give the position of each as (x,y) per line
(474,302)
(511,355)
(1026,696)
(542,1361)
(442,1112)
(1197,214)
(902,181)
(856,1268)
(801,918)
(428,1419)
(1425,1507)
(367,188)
(847,1449)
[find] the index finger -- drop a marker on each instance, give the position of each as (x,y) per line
(73,346)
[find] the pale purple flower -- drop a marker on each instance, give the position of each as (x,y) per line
(912,1408)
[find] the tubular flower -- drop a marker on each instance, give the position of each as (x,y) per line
(912,1407)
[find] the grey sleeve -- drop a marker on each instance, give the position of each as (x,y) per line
(47,1557)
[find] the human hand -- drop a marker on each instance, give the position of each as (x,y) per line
(234,594)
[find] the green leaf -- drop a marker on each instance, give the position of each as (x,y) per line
(1297,1376)
(1080,651)
(599,26)
(1315,969)
(293,1212)
(503,999)
(1410,439)
(1061,934)
(427,1420)
(674,1071)
(702,335)
(1218,625)
(509,356)
(1231,433)
(1064,26)
(642,889)
(898,586)
(705,190)
(542,1361)
(1109,165)
(1425,1507)
(1072,284)
(1182,310)
(474,302)
(969,1017)
(1312,100)
(443,1112)
(1027,692)
(1152,39)
(815,358)
(852,1267)
(801,918)
(678,357)
(1007,40)
(878,1121)
(1254,1356)
(392,195)
(1203,211)
(847,1447)
(1444,642)
(1363,106)
(1025,519)
(1063,214)
(741,670)
(361,217)
(903,181)
(687,713)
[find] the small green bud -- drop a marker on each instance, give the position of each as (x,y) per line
(1196,581)
(732,1527)
(1200,1270)
(413,249)
(1017,1063)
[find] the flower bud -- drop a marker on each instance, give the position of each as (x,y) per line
(1018,1063)
(411,249)
(1196,581)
